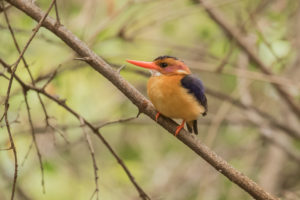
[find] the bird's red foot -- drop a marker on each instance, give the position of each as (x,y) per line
(156,116)
(179,128)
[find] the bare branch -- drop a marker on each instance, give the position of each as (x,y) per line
(36,29)
(56,12)
(120,69)
(60,132)
(116,121)
(141,102)
(34,140)
(3,75)
(52,76)
(62,103)
(274,122)
(226,58)
(5,115)
(91,149)
(235,34)
(9,88)
(24,61)
(4,8)
(6,149)
(287,149)
(84,59)
(27,153)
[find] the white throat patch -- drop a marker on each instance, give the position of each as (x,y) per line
(155,73)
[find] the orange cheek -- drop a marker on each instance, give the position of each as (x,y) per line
(167,70)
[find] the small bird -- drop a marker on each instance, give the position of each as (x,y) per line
(174,91)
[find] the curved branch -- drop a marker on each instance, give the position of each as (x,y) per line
(273,121)
(141,102)
(83,121)
(232,32)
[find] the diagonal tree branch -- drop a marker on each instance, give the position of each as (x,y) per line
(141,102)
(84,122)
(94,129)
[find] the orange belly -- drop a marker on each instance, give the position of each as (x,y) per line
(171,99)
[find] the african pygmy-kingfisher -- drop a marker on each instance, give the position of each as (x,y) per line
(174,91)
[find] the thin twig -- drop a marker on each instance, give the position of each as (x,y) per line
(11,122)
(62,103)
(235,34)
(60,132)
(23,59)
(106,22)
(52,76)
(264,39)
(36,29)
(56,13)
(4,8)
(9,88)
(121,68)
(287,149)
(13,147)
(226,58)
(116,121)
(3,75)
(34,140)
(84,58)
(142,103)
(6,149)
(27,154)
(5,115)
(92,152)
(274,122)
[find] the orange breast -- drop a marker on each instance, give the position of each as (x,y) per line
(171,99)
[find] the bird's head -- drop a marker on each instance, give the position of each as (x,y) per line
(166,65)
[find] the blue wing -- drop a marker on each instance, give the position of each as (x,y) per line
(195,87)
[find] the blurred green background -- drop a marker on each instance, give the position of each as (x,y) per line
(165,168)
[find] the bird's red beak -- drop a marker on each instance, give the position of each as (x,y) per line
(147,65)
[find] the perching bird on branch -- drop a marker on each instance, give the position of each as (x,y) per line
(174,91)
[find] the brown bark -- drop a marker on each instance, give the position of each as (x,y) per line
(141,102)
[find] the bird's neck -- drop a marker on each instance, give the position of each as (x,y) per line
(156,73)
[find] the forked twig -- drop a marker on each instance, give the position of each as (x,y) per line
(235,34)
(63,104)
(141,102)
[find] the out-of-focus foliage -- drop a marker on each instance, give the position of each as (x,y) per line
(144,29)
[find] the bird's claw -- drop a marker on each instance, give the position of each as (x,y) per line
(179,128)
(156,116)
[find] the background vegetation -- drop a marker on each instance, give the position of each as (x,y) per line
(144,29)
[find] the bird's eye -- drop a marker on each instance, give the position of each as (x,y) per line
(163,64)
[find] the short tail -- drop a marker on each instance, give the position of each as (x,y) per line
(192,126)
(205,111)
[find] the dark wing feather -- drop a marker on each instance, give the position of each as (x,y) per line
(189,127)
(195,127)
(195,87)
